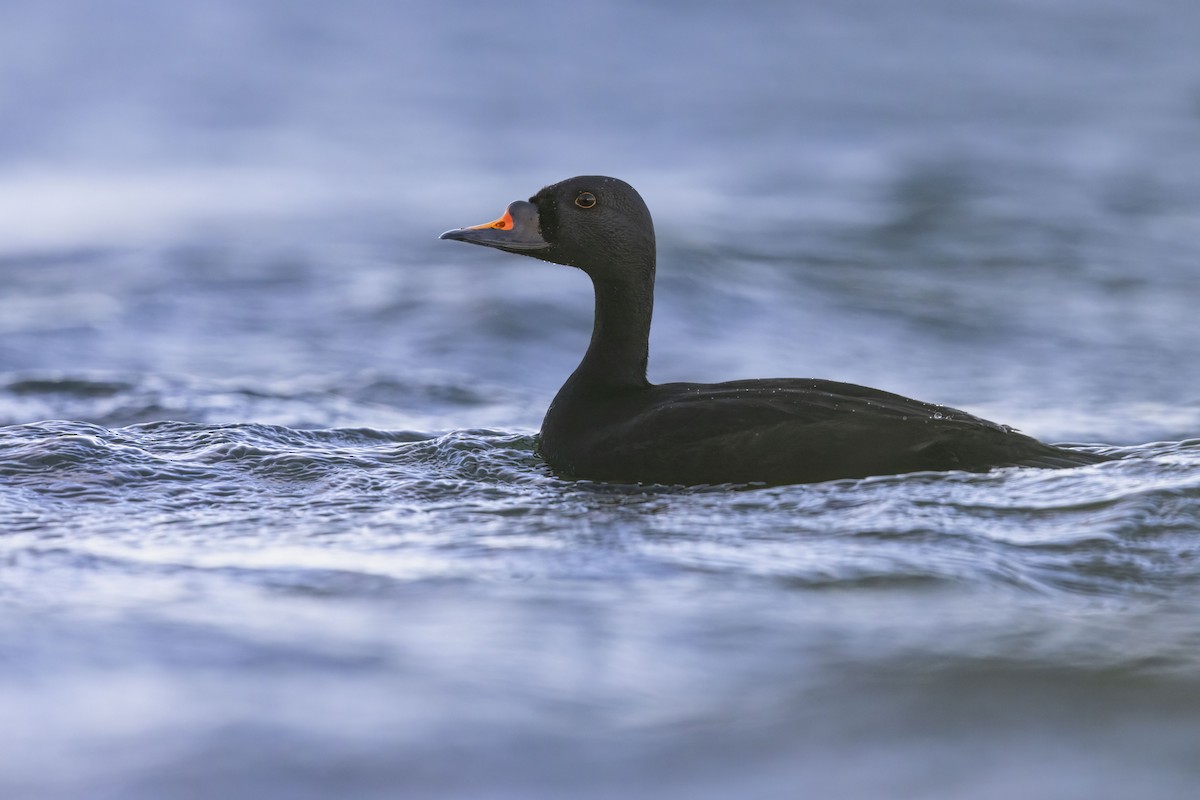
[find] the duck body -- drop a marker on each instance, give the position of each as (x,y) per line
(609,423)
(773,432)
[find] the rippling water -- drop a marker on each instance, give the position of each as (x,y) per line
(271,519)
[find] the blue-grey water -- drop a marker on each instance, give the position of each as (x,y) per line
(272,524)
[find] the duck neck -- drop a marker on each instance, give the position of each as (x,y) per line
(620,346)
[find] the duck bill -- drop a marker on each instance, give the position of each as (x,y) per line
(518,230)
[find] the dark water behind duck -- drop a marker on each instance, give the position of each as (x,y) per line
(288,537)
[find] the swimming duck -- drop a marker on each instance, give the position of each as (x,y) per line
(609,423)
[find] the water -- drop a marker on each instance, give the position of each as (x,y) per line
(271,521)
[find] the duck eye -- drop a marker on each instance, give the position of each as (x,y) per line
(585,200)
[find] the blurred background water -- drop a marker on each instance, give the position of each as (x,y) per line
(271,522)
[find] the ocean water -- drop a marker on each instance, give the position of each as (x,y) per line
(272,523)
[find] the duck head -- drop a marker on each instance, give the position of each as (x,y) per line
(598,224)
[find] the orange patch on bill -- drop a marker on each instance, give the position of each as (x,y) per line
(505,223)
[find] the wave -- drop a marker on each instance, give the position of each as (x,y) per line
(475,501)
